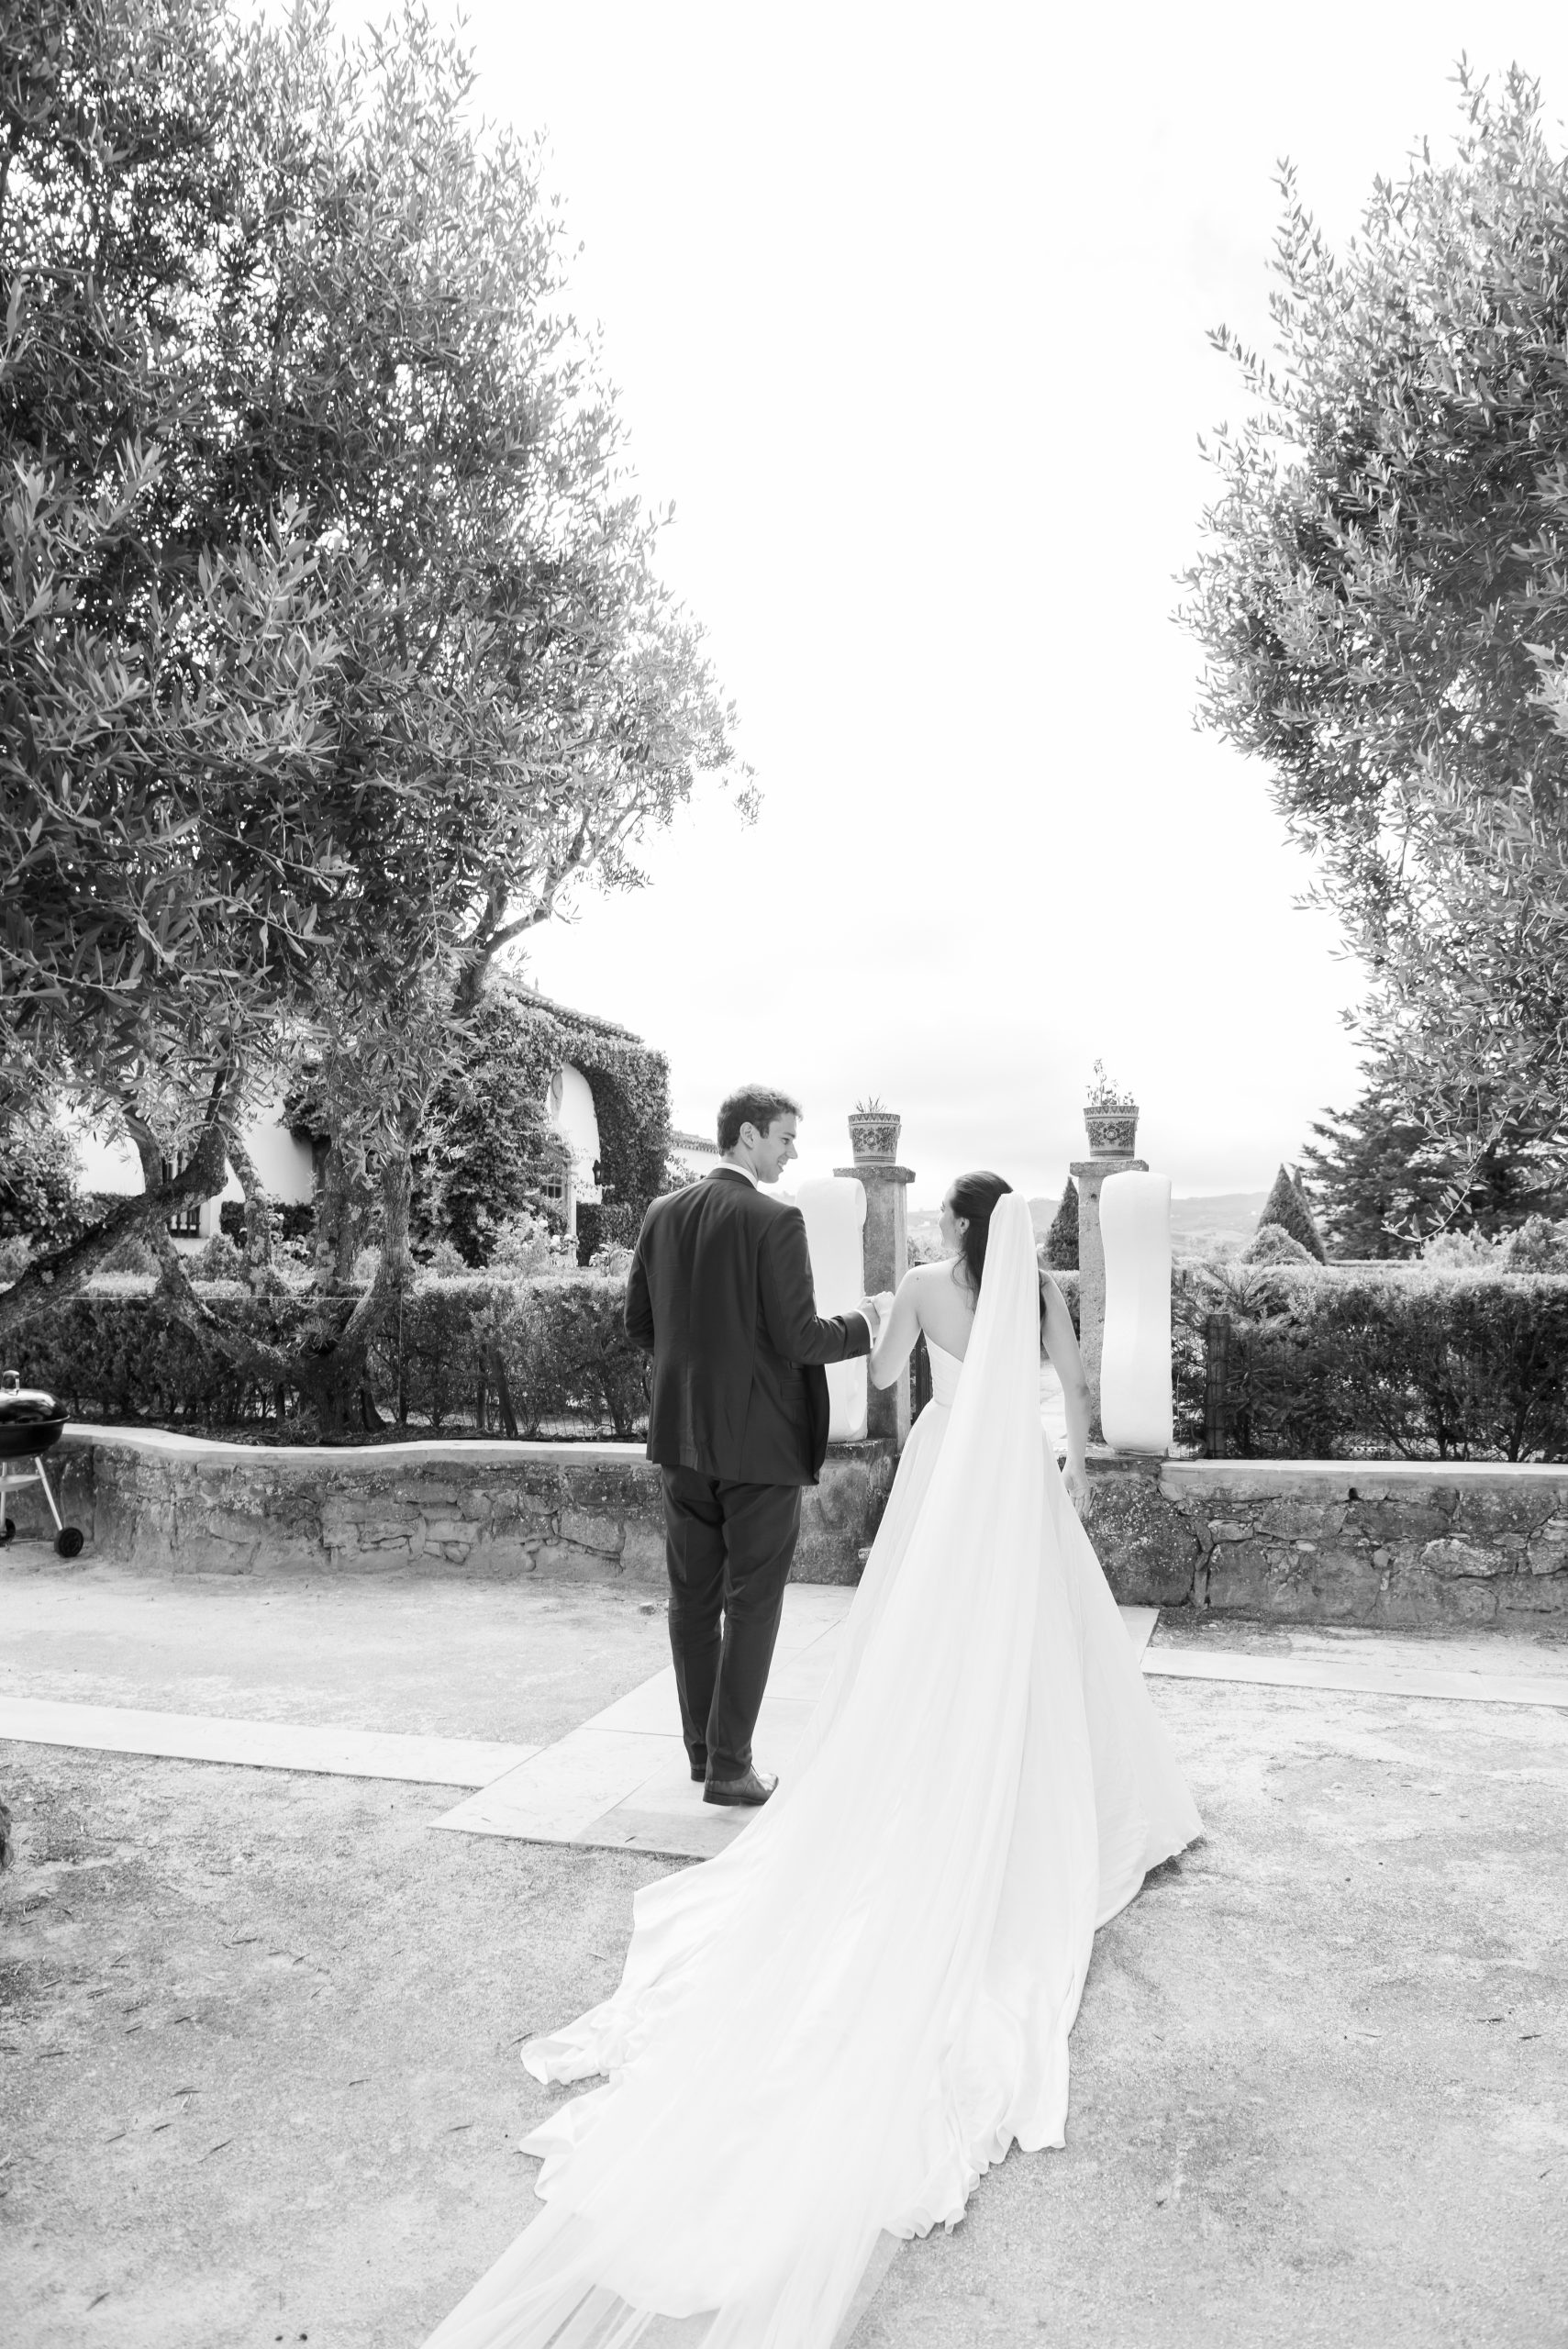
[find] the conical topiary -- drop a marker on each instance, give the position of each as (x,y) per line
(1061,1240)
(1287,1206)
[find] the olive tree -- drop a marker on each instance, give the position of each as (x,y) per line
(1382,599)
(360,660)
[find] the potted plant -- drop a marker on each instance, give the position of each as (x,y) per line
(1111,1118)
(875,1129)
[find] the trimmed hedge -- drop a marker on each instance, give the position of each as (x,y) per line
(1411,1364)
(557,1346)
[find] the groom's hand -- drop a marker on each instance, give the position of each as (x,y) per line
(877,1308)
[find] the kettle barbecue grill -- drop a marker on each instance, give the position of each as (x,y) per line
(31,1423)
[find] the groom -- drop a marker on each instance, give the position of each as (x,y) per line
(720,1293)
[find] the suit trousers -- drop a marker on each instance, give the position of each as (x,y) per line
(729,1548)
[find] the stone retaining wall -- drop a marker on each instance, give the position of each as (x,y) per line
(1401,1542)
(579,1510)
(1398,1543)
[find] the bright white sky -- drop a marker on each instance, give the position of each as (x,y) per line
(908,308)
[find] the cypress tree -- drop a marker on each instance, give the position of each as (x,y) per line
(1061,1240)
(1287,1206)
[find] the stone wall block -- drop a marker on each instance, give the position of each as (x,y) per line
(448,1529)
(643,1550)
(591,1529)
(1298,1517)
(1547,1553)
(562,1562)
(1294,1586)
(1454,1557)
(1150,1551)
(1487,1515)
(1389,1519)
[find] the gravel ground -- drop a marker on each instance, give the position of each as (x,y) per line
(260,2040)
(260,2077)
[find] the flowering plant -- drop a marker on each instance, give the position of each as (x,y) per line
(1105,1094)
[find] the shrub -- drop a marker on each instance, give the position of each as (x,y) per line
(1538,1245)
(560,1343)
(293,1227)
(1272,1244)
(220,1260)
(39,1199)
(1412,1364)
(110,1352)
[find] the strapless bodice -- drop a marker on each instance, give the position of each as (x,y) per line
(945,1370)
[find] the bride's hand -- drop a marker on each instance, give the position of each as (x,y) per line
(1076,1479)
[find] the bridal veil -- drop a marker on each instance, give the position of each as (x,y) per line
(832,2030)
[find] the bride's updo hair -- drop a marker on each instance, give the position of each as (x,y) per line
(974,1198)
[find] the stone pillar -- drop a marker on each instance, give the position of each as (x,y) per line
(1089,1174)
(874,1137)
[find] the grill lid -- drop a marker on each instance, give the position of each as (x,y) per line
(19,1402)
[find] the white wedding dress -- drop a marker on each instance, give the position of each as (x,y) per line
(832,2030)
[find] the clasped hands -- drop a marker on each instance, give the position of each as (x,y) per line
(876,1310)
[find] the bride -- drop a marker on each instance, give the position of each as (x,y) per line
(827,2033)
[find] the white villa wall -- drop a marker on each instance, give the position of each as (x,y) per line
(284,1163)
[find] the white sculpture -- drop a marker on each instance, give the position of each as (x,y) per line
(1135,1358)
(835,1210)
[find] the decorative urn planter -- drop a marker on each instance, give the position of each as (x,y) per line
(1112,1129)
(874,1133)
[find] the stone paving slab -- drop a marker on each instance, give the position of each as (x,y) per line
(634,1744)
(267,1746)
(622,1781)
(1372,1674)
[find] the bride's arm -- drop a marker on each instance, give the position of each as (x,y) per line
(895,1339)
(1062,1346)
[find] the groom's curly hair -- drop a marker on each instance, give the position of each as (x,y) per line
(752,1104)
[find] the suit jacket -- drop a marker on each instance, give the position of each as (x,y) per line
(720,1292)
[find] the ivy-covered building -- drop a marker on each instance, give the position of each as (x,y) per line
(553,1107)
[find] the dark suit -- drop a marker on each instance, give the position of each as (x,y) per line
(720,1292)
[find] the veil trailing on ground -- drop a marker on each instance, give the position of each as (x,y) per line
(833,2028)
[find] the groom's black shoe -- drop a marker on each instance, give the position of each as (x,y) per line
(699,1773)
(755,1788)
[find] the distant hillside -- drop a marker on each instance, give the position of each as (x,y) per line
(1196,1224)
(1227,1215)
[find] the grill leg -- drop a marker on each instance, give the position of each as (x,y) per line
(48,1495)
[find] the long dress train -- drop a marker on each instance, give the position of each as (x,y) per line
(833,2028)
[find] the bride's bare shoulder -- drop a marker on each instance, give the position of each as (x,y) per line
(925,1279)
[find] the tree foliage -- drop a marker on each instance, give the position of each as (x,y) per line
(1383,598)
(1382,1184)
(332,651)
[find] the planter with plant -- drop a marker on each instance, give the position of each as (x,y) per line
(874,1130)
(1110,1117)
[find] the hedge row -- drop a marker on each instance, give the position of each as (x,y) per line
(556,1349)
(1403,1364)
(1413,1364)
